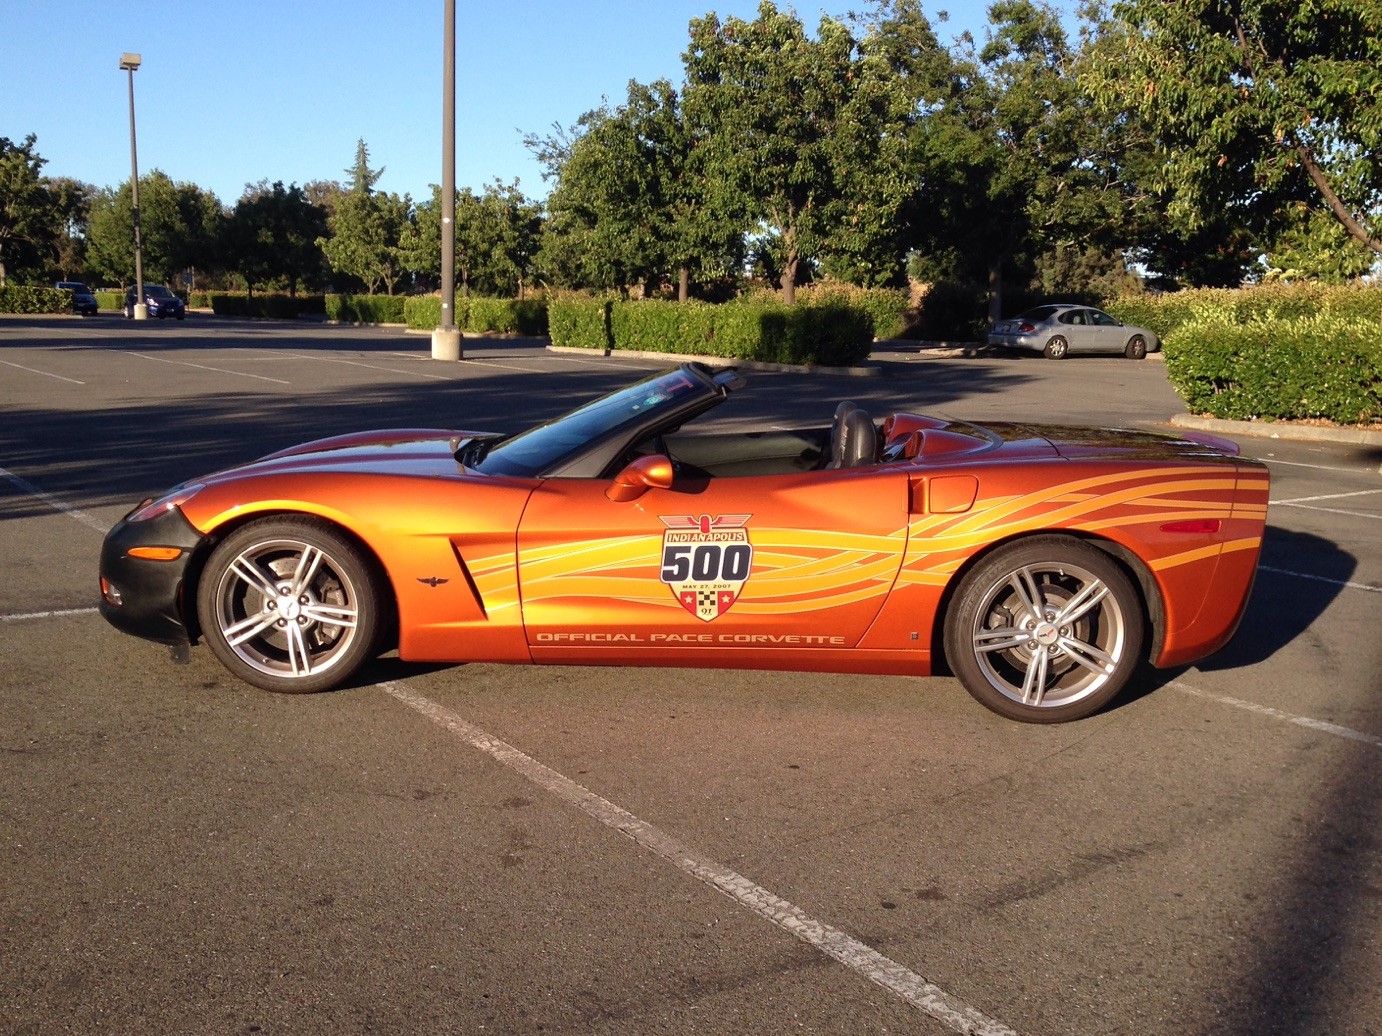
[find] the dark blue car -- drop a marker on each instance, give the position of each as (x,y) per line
(162,303)
(83,302)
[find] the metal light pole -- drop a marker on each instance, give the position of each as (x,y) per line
(446,339)
(129,62)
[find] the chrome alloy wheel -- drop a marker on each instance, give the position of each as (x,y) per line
(286,608)
(1048,635)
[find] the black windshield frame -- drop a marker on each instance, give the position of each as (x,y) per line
(586,441)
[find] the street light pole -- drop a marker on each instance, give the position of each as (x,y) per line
(129,62)
(446,339)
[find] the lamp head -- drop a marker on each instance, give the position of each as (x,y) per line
(129,62)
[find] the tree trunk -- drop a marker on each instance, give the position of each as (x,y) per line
(789,279)
(683,284)
(995,292)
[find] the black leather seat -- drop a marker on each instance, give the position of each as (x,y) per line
(853,439)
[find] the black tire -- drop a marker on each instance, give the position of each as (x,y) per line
(1136,349)
(290,605)
(1062,664)
(1057,348)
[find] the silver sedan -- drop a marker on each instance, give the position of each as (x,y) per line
(1057,329)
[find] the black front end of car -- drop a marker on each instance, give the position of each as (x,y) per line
(144,568)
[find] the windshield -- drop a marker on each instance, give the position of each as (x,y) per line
(538,449)
(157,291)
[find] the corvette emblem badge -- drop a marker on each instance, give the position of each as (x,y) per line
(706,561)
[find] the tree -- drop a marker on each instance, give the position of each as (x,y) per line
(27,211)
(496,239)
(788,131)
(179,229)
(627,208)
(365,228)
(274,232)
(1257,105)
(1012,168)
(72,207)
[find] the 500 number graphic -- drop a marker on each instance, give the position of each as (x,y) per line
(706,562)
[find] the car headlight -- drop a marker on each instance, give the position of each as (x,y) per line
(146,510)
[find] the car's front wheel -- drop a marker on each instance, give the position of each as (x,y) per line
(1045,630)
(288,604)
(1136,348)
(1056,348)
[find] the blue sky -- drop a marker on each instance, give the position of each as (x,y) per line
(232,91)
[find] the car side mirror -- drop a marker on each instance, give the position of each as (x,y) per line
(651,472)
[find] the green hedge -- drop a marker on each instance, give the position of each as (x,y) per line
(423,312)
(15,298)
(1327,366)
(579,322)
(1165,313)
(272,307)
(480,314)
(888,309)
(365,309)
(110,300)
(827,333)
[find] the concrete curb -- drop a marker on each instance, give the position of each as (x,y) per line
(1281,430)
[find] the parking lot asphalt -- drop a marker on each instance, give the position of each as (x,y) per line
(457,848)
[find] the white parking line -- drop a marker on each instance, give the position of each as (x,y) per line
(367,366)
(1325,496)
(74,513)
(1317,467)
(1321,579)
(832,942)
(60,613)
(46,374)
(1265,710)
(204,367)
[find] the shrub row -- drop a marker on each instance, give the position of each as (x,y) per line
(1164,313)
(888,309)
(825,333)
(479,314)
(16,298)
(110,300)
(366,309)
(273,307)
(1294,368)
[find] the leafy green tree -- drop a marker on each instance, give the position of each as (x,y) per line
(788,131)
(72,207)
(1257,104)
(273,232)
(27,210)
(1012,168)
(179,229)
(366,227)
(1310,244)
(627,208)
(497,236)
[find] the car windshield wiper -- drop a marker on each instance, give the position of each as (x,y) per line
(473,450)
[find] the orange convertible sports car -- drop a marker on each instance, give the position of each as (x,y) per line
(1041,565)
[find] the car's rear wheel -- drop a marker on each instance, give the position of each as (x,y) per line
(1045,630)
(1057,348)
(288,604)
(1136,348)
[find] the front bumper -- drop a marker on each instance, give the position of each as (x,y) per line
(144,597)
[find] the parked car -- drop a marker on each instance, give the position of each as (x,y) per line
(1042,565)
(1059,329)
(162,303)
(83,301)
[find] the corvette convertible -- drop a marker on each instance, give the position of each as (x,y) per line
(1042,566)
